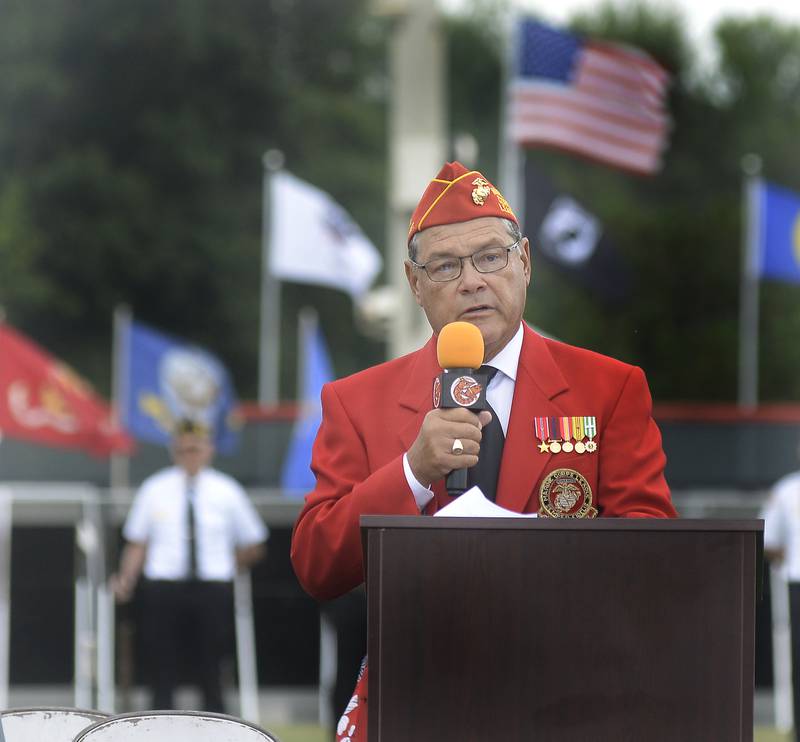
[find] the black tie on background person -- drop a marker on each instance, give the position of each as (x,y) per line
(191,529)
(484,474)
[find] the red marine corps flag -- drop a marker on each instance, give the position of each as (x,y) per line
(43,401)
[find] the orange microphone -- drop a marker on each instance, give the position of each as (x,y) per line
(460,345)
(459,349)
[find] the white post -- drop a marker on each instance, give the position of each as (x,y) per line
(106,684)
(84,644)
(781,650)
(328,665)
(5,596)
(246,646)
(748,301)
(270,315)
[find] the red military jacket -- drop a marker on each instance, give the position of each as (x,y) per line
(371,419)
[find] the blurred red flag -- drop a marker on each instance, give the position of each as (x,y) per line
(44,401)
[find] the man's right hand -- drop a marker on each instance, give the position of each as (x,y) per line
(431,455)
(121,587)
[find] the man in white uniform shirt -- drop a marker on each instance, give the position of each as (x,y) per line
(782,545)
(189,529)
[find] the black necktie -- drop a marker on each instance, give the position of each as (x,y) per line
(191,531)
(485,472)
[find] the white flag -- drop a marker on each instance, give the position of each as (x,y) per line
(314,240)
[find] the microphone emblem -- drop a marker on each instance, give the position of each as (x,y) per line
(437,392)
(465,391)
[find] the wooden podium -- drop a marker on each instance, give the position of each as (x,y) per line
(539,630)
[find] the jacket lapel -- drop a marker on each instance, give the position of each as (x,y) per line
(416,397)
(539,381)
(416,400)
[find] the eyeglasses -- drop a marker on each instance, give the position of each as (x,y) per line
(487,260)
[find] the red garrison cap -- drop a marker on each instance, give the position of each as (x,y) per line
(458,195)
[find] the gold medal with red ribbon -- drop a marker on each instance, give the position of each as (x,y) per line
(541,426)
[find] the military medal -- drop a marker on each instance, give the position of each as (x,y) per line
(541,426)
(555,430)
(557,434)
(578,432)
(565,493)
(564,425)
(590,427)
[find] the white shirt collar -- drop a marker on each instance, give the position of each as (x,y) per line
(507,360)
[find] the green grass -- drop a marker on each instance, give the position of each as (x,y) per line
(313,733)
(762,735)
(305,733)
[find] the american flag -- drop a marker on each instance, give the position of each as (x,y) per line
(600,100)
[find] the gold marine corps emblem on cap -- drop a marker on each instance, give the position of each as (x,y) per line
(481,191)
(565,493)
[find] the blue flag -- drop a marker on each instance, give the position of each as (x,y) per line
(779,234)
(165,380)
(297,477)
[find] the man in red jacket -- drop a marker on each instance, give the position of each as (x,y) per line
(577,436)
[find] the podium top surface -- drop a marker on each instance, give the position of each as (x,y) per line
(753,525)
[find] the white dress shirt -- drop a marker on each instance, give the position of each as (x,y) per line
(499,394)
(782,523)
(224,516)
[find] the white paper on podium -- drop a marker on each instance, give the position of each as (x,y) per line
(473,504)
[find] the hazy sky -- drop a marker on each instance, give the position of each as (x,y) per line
(700,14)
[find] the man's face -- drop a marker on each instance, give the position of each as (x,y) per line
(494,302)
(192,452)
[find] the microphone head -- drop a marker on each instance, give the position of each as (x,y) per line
(460,345)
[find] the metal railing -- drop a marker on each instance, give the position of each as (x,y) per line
(92,512)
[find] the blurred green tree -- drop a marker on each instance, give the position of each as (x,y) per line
(679,231)
(131,137)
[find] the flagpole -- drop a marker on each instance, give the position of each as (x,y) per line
(119,479)
(749,290)
(6,503)
(307,323)
(270,319)
(120,365)
(512,158)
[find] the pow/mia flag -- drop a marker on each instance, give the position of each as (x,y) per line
(572,239)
